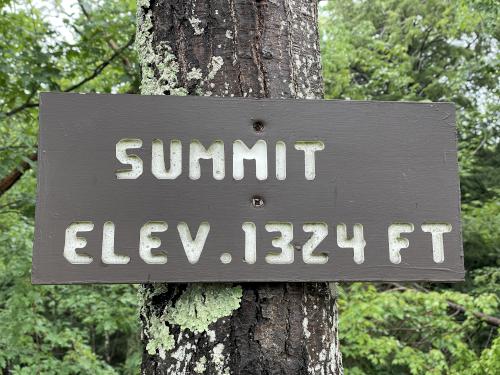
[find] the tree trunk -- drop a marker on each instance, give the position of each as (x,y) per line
(245,48)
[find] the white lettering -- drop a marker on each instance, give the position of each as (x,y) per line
(280,160)
(215,152)
(108,255)
(396,242)
(283,242)
(309,148)
(147,242)
(319,232)
(250,242)
(158,160)
(72,242)
(357,242)
(258,153)
(133,160)
(436,230)
(193,248)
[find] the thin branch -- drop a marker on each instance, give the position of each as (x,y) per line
(420,50)
(27,104)
(110,42)
(84,11)
(8,181)
(489,319)
(98,70)
(101,67)
(6,148)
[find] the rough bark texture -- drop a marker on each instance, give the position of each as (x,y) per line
(245,48)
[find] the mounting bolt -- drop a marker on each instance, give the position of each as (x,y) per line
(258,126)
(257,201)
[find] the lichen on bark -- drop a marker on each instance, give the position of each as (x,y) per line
(159,338)
(159,66)
(203,304)
(197,306)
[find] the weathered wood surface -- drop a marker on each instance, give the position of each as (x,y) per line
(382,164)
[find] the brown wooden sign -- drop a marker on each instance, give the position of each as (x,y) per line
(163,188)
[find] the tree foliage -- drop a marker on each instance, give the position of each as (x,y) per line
(57,329)
(434,50)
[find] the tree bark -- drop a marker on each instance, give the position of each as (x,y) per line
(246,48)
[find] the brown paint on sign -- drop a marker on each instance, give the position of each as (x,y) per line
(343,190)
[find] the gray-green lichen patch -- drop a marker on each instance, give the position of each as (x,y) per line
(199,306)
(200,365)
(194,74)
(157,332)
(195,23)
(159,338)
(219,360)
(214,66)
(202,304)
(159,65)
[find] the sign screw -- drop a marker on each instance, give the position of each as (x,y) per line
(226,258)
(258,126)
(257,201)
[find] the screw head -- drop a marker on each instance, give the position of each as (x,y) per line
(258,126)
(257,201)
(226,258)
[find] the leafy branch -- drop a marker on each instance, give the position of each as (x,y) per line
(95,73)
(98,70)
(491,320)
(110,41)
(8,181)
